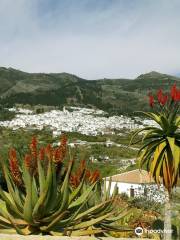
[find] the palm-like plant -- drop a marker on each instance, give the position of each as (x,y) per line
(160,151)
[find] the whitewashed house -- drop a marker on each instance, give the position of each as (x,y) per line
(109,143)
(136,183)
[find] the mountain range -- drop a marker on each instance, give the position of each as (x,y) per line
(58,89)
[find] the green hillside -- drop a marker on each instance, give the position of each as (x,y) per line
(112,95)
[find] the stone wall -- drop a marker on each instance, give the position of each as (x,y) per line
(35,237)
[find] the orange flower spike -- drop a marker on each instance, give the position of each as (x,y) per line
(57,155)
(159,95)
(77,181)
(151,100)
(164,100)
(28,162)
(63,140)
(88,174)
(173,92)
(78,174)
(74,181)
(42,154)
(83,165)
(49,152)
(177,95)
(14,167)
(95,176)
(33,147)
(60,152)
(12,154)
(63,146)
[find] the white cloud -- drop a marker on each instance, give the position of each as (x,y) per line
(93,41)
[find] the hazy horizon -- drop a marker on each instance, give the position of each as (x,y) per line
(91,39)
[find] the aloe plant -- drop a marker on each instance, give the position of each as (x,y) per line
(45,197)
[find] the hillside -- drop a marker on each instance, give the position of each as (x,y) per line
(112,95)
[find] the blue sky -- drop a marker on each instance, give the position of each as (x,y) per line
(91,38)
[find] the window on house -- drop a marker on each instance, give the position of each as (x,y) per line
(131,191)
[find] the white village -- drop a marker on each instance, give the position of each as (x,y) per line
(83,120)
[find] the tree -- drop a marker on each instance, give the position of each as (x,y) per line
(160,150)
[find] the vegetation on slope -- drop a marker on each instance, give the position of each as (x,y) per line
(117,96)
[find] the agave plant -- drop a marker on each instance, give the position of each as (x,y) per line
(45,197)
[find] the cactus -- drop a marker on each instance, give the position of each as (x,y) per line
(46,197)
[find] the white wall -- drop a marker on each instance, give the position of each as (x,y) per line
(125,187)
(153,191)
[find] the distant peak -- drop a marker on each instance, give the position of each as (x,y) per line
(154,73)
(10,69)
(151,74)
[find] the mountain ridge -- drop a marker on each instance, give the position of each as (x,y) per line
(113,95)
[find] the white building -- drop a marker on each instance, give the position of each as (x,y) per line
(109,143)
(136,183)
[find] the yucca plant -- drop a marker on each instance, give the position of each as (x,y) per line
(45,197)
(160,150)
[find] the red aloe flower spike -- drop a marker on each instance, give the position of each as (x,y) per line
(95,176)
(49,152)
(60,152)
(12,154)
(74,181)
(151,100)
(57,155)
(79,173)
(63,140)
(83,165)
(28,162)
(14,167)
(42,154)
(71,180)
(63,146)
(164,100)
(173,92)
(88,174)
(33,147)
(178,95)
(90,177)
(159,95)
(34,154)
